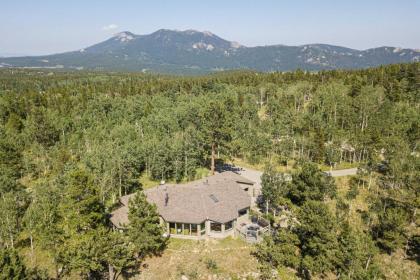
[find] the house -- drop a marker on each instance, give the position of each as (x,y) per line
(210,207)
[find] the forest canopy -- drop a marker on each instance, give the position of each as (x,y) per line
(86,138)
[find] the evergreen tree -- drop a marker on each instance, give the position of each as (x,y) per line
(215,125)
(391,232)
(11,265)
(120,254)
(310,183)
(144,230)
(356,254)
(281,249)
(317,234)
(83,219)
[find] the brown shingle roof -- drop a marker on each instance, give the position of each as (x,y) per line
(217,198)
(235,177)
(119,217)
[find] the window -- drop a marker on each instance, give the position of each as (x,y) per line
(203,228)
(229,225)
(178,228)
(215,227)
(242,212)
(172,229)
(194,229)
(186,229)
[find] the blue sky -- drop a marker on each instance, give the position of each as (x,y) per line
(43,27)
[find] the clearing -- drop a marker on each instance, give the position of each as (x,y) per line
(203,259)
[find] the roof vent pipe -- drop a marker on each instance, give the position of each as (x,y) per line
(166,199)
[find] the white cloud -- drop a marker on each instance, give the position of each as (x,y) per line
(111,26)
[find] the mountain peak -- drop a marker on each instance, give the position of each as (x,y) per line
(124,36)
(185,32)
(193,31)
(164,30)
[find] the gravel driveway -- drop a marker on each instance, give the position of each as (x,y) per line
(255,175)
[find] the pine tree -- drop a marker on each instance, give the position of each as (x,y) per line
(120,254)
(310,183)
(11,265)
(82,224)
(356,254)
(214,125)
(281,249)
(144,229)
(317,234)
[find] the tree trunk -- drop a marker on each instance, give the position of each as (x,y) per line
(367,263)
(213,157)
(111,272)
(335,113)
(266,207)
(32,248)
(120,178)
(185,167)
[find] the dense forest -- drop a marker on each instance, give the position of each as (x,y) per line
(72,143)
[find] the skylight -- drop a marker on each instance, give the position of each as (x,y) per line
(214,198)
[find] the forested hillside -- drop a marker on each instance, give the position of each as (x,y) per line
(72,143)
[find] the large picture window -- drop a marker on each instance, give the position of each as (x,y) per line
(183,229)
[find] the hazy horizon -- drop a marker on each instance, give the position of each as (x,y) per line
(39,28)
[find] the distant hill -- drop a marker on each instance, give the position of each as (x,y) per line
(190,51)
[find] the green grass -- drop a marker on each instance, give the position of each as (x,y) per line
(286,274)
(342,165)
(148,183)
(201,172)
(244,163)
(359,203)
(397,267)
(290,165)
(40,259)
(262,165)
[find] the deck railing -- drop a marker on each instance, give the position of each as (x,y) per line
(251,235)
